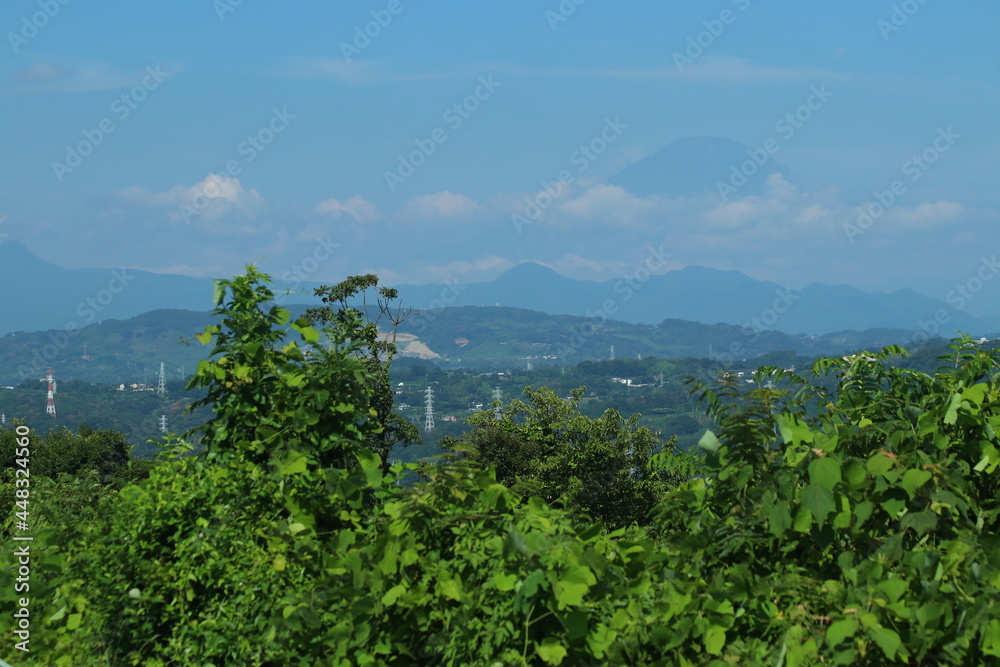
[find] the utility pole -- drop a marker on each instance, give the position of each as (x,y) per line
(429,410)
(161,388)
(50,399)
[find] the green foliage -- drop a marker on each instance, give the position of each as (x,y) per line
(374,348)
(880,497)
(601,467)
(63,452)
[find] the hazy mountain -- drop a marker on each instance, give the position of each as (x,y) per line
(701,294)
(36,295)
(691,167)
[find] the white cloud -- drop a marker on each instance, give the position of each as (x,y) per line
(356,71)
(50,78)
(440,205)
(812,214)
(929,214)
(38,72)
(212,198)
(357,207)
(611,203)
(725,69)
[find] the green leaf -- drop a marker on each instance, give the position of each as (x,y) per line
(450,588)
(393,594)
(824,471)
(951,414)
(921,522)
(709,442)
(715,639)
(551,651)
(879,464)
(793,430)
(218,292)
(887,640)
(504,582)
(991,638)
(893,588)
(819,501)
(573,585)
(779,518)
(73,621)
(841,630)
(976,393)
(295,462)
(913,479)
(803,520)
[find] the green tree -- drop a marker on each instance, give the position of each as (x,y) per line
(375,348)
(603,467)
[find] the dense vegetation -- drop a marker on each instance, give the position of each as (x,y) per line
(852,519)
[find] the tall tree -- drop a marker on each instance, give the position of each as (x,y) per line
(376,347)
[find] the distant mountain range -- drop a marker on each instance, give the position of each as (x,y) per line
(703,295)
(36,295)
(130,351)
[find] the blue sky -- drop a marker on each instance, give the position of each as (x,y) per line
(219,133)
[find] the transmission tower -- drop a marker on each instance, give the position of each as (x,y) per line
(50,399)
(163,423)
(497,398)
(429,411)
(161,388)
(529,364)
(612,353)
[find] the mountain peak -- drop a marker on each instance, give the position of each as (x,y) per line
(531,271)
(692,167)
(15,258)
